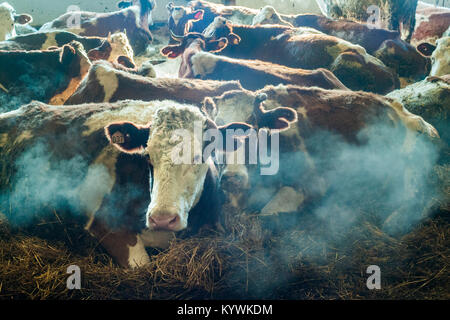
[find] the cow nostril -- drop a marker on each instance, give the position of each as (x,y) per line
(174,221)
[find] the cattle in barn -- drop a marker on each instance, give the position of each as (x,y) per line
(432,23)
(440,56)
(104,83)
(252,74)
(127,186)
(49,76)
(133,20)
(309,157)
(383,44)
(306,49)
(398,15)
(429,99)
(9,19)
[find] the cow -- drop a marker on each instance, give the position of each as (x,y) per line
(110,48)
(127,184)
(252,74)
(8,20)
(432,22)
(440,56)
(383,44)
(307,49)
(104,83)
(50,76)
(181,20)
(429,99)
(397,15)
(133,19)
(309,156)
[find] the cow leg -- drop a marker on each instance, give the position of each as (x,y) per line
(126,247)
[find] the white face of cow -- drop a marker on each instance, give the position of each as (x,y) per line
(120,47)
(176,187)
(267,15)
(441,58)
(8,18)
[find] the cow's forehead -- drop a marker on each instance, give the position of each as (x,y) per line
(171,118)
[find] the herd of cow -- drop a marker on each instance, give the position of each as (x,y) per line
(81,91)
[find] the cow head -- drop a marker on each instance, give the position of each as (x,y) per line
(176,187)
(222,27)
(115,46)
(440,56)
(188,46)
(181,19)
(8,18)
(268,15)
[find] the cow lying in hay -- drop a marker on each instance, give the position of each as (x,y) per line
(305,48)
(102,166)
(252,74)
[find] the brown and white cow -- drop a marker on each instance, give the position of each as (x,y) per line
(432,23)
(128,186)
(252,74)
(381,43)
(398,15)
(133,20)
(182,19)
(104,83)
(9,18)
(50,76)
(305,48)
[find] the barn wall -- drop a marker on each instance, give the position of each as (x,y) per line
(46,10)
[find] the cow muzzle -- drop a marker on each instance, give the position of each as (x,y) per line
(166,220)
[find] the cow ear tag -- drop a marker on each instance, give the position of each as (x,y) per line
(118,138)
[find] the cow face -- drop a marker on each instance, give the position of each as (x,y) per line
(176,186)
(268,15)
(181,19)
(8,18)
(115,46)
(190,45)
(220,28)
(440,56)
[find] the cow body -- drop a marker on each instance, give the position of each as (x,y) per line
(131,19)
(432,22)
(48,76)
(398,15)
(383,44)
(307,49)
(8,20)
(106,84)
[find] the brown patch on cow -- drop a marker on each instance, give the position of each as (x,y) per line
(433,29)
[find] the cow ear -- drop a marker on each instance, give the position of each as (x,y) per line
(172,52)
(128,137)
(67,55)
(124,4)
(216,45)
(234,38)
(426,49)
(197,15)
(23,19)
(100,53)
(126,62)
(277,119)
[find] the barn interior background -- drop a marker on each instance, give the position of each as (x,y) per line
(257,258)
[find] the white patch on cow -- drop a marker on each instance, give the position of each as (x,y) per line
(176,187)
(157,239)
(50,41)
(286,200)
(137,256)
(203,63)
(120,47)
(216,24)
(107,78)
(236,108)
(168,69)
(7,29)
(177,14)
(3,139)
(268,15)
(441,58)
